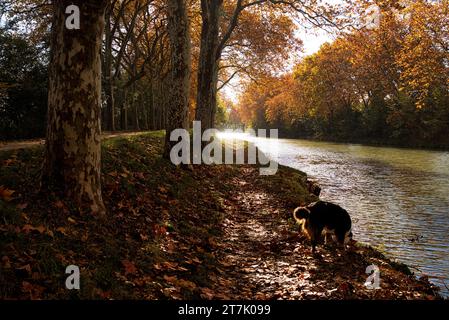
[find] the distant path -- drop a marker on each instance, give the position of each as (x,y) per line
(16,145)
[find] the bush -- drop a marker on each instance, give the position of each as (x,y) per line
(23,88)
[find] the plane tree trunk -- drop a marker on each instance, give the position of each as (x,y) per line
(178,105)
(72,152)
(206,103)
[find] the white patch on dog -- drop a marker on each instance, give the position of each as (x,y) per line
(328,232)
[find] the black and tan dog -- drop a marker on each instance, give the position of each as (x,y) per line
(324,217)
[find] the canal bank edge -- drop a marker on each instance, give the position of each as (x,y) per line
(314,190)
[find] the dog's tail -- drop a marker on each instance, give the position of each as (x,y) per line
(300,214)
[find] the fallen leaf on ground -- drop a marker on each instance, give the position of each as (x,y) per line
(26,267)
(207,293)
(59,204)
(6,262)
(6,194)
(171,279)
(62,230)
(130,268)
(27,228)
(187,284)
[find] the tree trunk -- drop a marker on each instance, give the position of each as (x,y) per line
(179,37)
(73,155)
(125,115)
(153,114)
(144,108)
(108,78)
(124,111)
(135,104)
(136,115)
(206,103)
(160,107)
(151,111)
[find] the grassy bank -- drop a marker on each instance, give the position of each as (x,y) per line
(199,232)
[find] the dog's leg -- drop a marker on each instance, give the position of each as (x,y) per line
(313,241)
(341,237)
(347,239)
(329,235)
(315,237)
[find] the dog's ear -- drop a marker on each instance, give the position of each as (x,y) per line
(301,213)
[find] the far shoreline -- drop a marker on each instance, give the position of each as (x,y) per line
(368,143)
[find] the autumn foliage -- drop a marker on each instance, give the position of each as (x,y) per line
(386,84)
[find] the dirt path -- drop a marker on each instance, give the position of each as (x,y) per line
(16,145)
(265,259)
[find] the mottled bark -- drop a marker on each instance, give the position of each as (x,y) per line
(73,155)
(206,103)
(178,105)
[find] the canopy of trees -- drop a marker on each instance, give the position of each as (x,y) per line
(128,66)
(251,38)
(385,84)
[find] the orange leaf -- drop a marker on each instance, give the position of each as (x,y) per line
(187,284)
(130,268)
(27,228)
(41,229)
(5,193)
(143,236)
(26,286)
(163,189)
(170,265)
(196,260)
(62,230)
(59,204)
(6,262)
(207,293)
(7,162)
(172,279)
